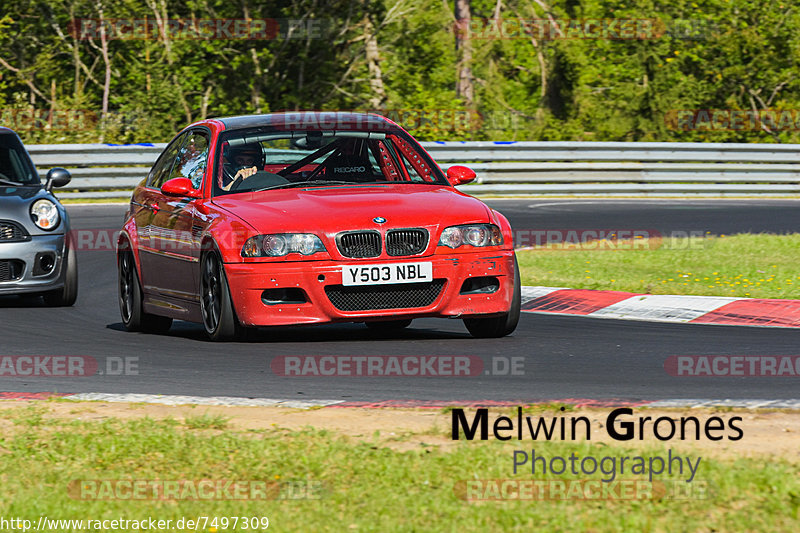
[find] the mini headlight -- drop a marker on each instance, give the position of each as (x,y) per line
(45,214)
(280,244)
(471,235)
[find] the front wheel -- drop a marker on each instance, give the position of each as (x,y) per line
(219,317)
(130,300)
(502,325)
(66,295)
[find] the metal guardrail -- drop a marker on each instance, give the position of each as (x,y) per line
(114,169)
(510,168)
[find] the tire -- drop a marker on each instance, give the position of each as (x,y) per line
(66,295)
(219,317)
(130,299)
(500,326)
(389,325)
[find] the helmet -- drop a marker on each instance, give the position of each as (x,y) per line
(246,156)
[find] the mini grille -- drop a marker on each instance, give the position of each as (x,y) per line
(396,296)
(359,244)
(406,241)
(11,269)
(11,232)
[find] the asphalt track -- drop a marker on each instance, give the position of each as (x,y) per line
(564,357)
(710,216)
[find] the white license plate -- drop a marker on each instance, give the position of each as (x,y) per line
(387,273)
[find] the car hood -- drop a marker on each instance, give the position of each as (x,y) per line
(11,195)
(333,209)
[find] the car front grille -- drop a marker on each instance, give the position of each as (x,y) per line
(359,244)
(395,296)
(406,241)
(11,269)
(10,231)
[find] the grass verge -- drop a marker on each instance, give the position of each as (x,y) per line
(366,486)
(747,266)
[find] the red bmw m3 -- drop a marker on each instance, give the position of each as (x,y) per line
(310,218)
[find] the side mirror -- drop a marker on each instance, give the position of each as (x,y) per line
(57,177)
(180,187)
(459,174)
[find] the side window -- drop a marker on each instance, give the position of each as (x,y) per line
(19,168)
(161,171)
(192,158)
(13,163)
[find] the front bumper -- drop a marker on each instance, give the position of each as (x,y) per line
(248,281)
(32,279)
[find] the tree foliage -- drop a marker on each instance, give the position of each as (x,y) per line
(715,55)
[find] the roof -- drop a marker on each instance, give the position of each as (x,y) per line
(309,120)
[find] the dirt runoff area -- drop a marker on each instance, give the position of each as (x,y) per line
(765,432)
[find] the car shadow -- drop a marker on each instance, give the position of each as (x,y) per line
(345,332)
(21,300)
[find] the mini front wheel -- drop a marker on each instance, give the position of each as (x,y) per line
(66,295)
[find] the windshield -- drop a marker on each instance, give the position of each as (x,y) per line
(257,159)
(15,166)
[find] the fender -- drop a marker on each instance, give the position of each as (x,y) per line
(505,227)
(129,238)
(227,237)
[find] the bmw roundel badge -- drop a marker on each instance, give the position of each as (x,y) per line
(379,220)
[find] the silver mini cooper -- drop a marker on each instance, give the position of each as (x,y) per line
(36,252)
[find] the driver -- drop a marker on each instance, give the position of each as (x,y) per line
(241,163)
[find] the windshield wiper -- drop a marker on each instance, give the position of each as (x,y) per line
(314,183)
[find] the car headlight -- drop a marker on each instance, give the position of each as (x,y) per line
(281,244)
(45,214)
(471,235)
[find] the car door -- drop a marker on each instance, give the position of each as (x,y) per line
(145,204)
(172,236)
